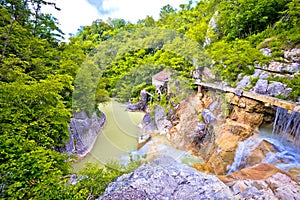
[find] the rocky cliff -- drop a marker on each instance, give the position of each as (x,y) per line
(83,132)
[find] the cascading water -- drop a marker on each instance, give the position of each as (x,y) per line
(284,137)
(242,153)
(287,126)
(286,157)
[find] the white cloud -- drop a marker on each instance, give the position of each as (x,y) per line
(73,14)
(76,13)
(133,10)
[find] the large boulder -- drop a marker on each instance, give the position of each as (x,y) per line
(162,123)
(277,88)
(148,125)
(141,105)
(83,132)
(261,86)
(165,178)
(263,181)
(226,144)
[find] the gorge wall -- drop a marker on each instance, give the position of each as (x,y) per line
(83,132)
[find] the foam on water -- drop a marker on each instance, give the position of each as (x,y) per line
(286,157)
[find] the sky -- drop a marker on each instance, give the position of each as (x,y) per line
(76,13)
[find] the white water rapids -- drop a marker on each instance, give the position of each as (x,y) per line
(287,156)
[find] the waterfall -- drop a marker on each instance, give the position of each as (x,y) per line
(286,157)
(287,126)
(242,153)
(285,138)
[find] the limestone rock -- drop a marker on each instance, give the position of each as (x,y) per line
(208,116)
(148,125)
(223,156)
(164,178)
(83,132)
(279,67)
(277,88)
(200,130)
(266,51)
(241,116)
(261,86)
(292,54)
(293,67)
(263,181)
(184,133)
(276,66)
(141,105)
(242,84)
(251,105)
(243,131)
(162,123)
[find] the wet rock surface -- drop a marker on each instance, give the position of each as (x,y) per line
(165,178)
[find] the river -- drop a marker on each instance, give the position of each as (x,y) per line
(118,137)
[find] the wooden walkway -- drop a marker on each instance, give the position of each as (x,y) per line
(290,106)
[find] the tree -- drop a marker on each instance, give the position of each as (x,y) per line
(241,18)
(234,58)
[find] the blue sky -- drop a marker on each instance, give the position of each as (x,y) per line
(76,13)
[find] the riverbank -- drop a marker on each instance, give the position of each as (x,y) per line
(119,136)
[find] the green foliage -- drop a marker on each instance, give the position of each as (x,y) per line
(253,81)
(28,170)
(234,58)
(133,60)
(86,86)
(295,85)
(36,89)
(180,88)
(241,18)
(93,179)
(34,110)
